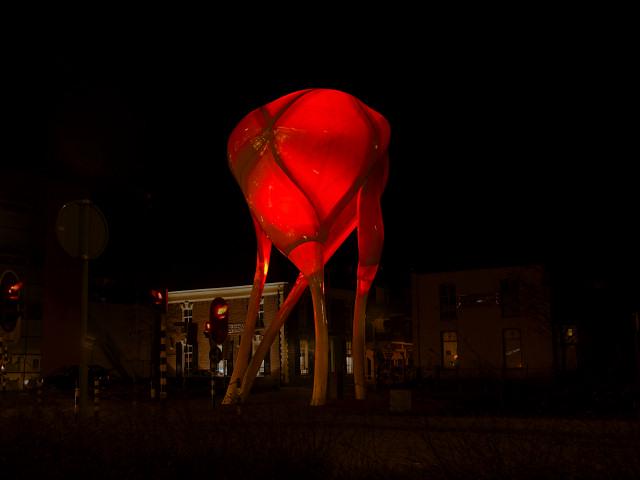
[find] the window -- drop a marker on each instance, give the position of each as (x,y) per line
(510,297)
(569,348)
(265,366)
(187,358)
(222,368)
(260,320)
(349,357)
(304,356)
(450,350)
(569,334)
(189,352)
(187,314)
(35,364)
(448,302)
(512,345)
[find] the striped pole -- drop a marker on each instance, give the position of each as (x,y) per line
(76,397)
(96,396)
(3,365)
(163,361)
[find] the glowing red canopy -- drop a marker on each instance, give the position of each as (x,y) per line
(301,161)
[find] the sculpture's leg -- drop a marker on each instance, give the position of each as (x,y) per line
(333,242)
(271,334)
(242,359)
(370,241)
(321,356)
(308,257)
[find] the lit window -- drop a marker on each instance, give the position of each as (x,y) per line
(512,345)
(349,358)
(450,357)
(265,366)
(187,358)
(260,321)
(569,348)
(570,334)
(304,357)
(190,361)
(187,313)
(222,367)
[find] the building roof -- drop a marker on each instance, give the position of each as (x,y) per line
(228,293)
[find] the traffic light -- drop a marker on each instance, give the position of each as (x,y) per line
(159,299)
(218,320)
(10,301)
(207,328)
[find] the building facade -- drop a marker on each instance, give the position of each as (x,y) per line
(388,346)
(21,258)
(485,323)
(188,348)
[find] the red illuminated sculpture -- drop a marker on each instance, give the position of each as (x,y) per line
(312,166)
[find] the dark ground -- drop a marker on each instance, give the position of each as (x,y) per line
(276,434)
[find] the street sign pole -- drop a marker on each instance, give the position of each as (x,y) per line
(82,233)
(84,307)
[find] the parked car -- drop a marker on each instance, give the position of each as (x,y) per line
(67,377)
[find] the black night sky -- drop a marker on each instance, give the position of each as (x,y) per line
(503,150)
(513,142)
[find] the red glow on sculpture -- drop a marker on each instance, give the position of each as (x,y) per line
(312,166)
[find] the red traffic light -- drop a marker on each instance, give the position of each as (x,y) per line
(13,292)
(220,311)
(218,320)
(10,301)
(11,287)
(159,298)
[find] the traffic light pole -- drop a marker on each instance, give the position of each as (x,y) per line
(215,357)
(82,232)
(84,311)
(163,357)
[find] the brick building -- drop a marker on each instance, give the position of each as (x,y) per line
(188,348)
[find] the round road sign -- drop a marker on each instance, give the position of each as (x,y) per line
(82,229)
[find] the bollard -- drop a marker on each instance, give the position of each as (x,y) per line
(238,405)
(76,398)
(39,385)
(96,397)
